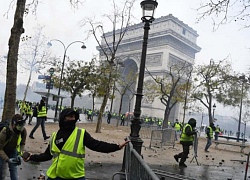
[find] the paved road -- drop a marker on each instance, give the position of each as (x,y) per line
(105,171)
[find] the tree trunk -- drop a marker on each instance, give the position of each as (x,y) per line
(120,109)
(27,87)
(99,121)
(11,77)
(72,101)
(166,116)
(104,103)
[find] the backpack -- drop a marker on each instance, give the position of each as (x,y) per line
(6,125)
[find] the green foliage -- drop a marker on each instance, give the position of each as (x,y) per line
(216,82)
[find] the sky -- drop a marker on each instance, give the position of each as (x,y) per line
(61,22)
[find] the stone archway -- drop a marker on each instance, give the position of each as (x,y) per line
(170,41)
(127,86)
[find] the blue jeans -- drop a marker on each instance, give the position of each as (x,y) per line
(39,121)
(12,167)
(209,143)
(82,178)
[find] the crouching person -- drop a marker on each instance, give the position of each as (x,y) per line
(67,149)
(12,141)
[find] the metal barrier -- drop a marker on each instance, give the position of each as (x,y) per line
(162,137)
(135,167)
(247,165)
(146,129)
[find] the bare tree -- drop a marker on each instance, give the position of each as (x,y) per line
(12,58)
(225,11)
(34,55)
(109,44)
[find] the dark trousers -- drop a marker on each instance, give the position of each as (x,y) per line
(39,121)
(122,122)
(184,154)
(108,120)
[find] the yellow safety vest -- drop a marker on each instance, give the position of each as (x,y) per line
(18,147)
(184,136)
(177,127)
(42,112)
(210,131)
(68,163)
(217,129)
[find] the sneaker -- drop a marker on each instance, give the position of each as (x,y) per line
(47,137)
(206,150)
(31,137)
(182,165)
(29,124)
(176,158)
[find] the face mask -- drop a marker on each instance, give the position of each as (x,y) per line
(69,124)
(19,128)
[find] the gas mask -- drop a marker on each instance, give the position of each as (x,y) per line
(20,127)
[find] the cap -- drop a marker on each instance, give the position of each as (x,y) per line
(18,119)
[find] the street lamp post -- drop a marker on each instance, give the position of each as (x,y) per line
(61,76)
(148,7)
(49,85)
(214,106)
(244,80)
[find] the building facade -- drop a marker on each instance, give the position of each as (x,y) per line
(170,41)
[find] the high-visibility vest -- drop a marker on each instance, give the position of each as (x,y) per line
(18,147)
(42,112)
(217,129)
(184,136)
(177,126)
(68,163)
(210,131)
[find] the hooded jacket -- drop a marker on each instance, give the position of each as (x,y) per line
(63,134)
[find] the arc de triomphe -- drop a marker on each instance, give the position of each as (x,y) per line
(170,41)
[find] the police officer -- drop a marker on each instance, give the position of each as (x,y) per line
(187,138)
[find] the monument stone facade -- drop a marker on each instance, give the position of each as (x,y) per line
(170,41)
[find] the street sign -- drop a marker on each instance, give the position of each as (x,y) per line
(41,77)
(47,77)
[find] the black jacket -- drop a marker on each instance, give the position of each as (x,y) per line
(64,133)
(89,142)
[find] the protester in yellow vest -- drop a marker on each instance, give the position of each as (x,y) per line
(177,127)
(209,134)
(67,149)
(216,132)
(187,138)
(40,120)
(12,141)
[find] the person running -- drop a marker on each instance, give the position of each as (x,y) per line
(41,118)
(67,149)
(187,138)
